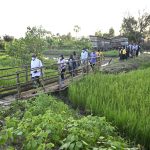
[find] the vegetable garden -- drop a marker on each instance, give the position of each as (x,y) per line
(45,123)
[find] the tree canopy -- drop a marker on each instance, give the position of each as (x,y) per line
(135,29)
(110,34)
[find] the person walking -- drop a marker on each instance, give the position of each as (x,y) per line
(76,62)
(71,65)
(124,56)
(62,67)
(84,59)
(36,71)
(130,47)
(93,59)
(134,49)
(137,50)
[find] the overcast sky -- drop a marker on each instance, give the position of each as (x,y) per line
(60,16)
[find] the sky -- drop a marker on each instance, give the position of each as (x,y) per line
(60,16)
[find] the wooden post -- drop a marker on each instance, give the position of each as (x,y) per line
(42,81)
(82,67)
(59,78)
(18,85)
(99,59)
(72,73)
(26,68)
(87,68)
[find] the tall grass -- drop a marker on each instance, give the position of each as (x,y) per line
(124,99)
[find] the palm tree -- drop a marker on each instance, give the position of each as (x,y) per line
(76,29)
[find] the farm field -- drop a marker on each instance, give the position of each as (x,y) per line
(45,123)
(123,98)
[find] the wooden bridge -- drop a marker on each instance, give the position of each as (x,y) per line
(20,85)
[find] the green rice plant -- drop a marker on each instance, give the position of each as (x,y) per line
(124,99)
(111,53)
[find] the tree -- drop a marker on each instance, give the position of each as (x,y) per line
(34,42)
(76,29)
(111,32)
(8,38)
(105,35)
(98,33)
(136,29)
(82,43)
(2,44)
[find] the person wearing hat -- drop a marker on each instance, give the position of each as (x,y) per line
(36,71)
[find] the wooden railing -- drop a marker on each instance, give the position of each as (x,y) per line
(21,80)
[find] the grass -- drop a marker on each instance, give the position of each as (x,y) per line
(123,99)
(111,53)
(61,52)
(45,123)
(6,61)
(116,66)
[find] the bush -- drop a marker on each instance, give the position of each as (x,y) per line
(45,123)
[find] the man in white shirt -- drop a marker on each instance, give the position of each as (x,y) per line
(36,71)
(84,56)
(84,59)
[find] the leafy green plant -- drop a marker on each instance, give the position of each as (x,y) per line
(47,124)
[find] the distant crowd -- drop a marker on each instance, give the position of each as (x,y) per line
(131,50)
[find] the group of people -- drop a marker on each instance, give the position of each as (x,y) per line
(75,61)
(132,50)
(71,64)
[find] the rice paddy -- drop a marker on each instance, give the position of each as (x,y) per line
(124,99)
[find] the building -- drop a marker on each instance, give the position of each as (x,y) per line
(108,43)
(119,41)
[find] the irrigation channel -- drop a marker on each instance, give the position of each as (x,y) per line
(23,86)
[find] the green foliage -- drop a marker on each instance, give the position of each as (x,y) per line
(8,38)
(111,53)
(8,61)
(2,44)
(34,42)
(9,65)
(110,34)
(123,99)
(134,29)
(67,42)
(45,123)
